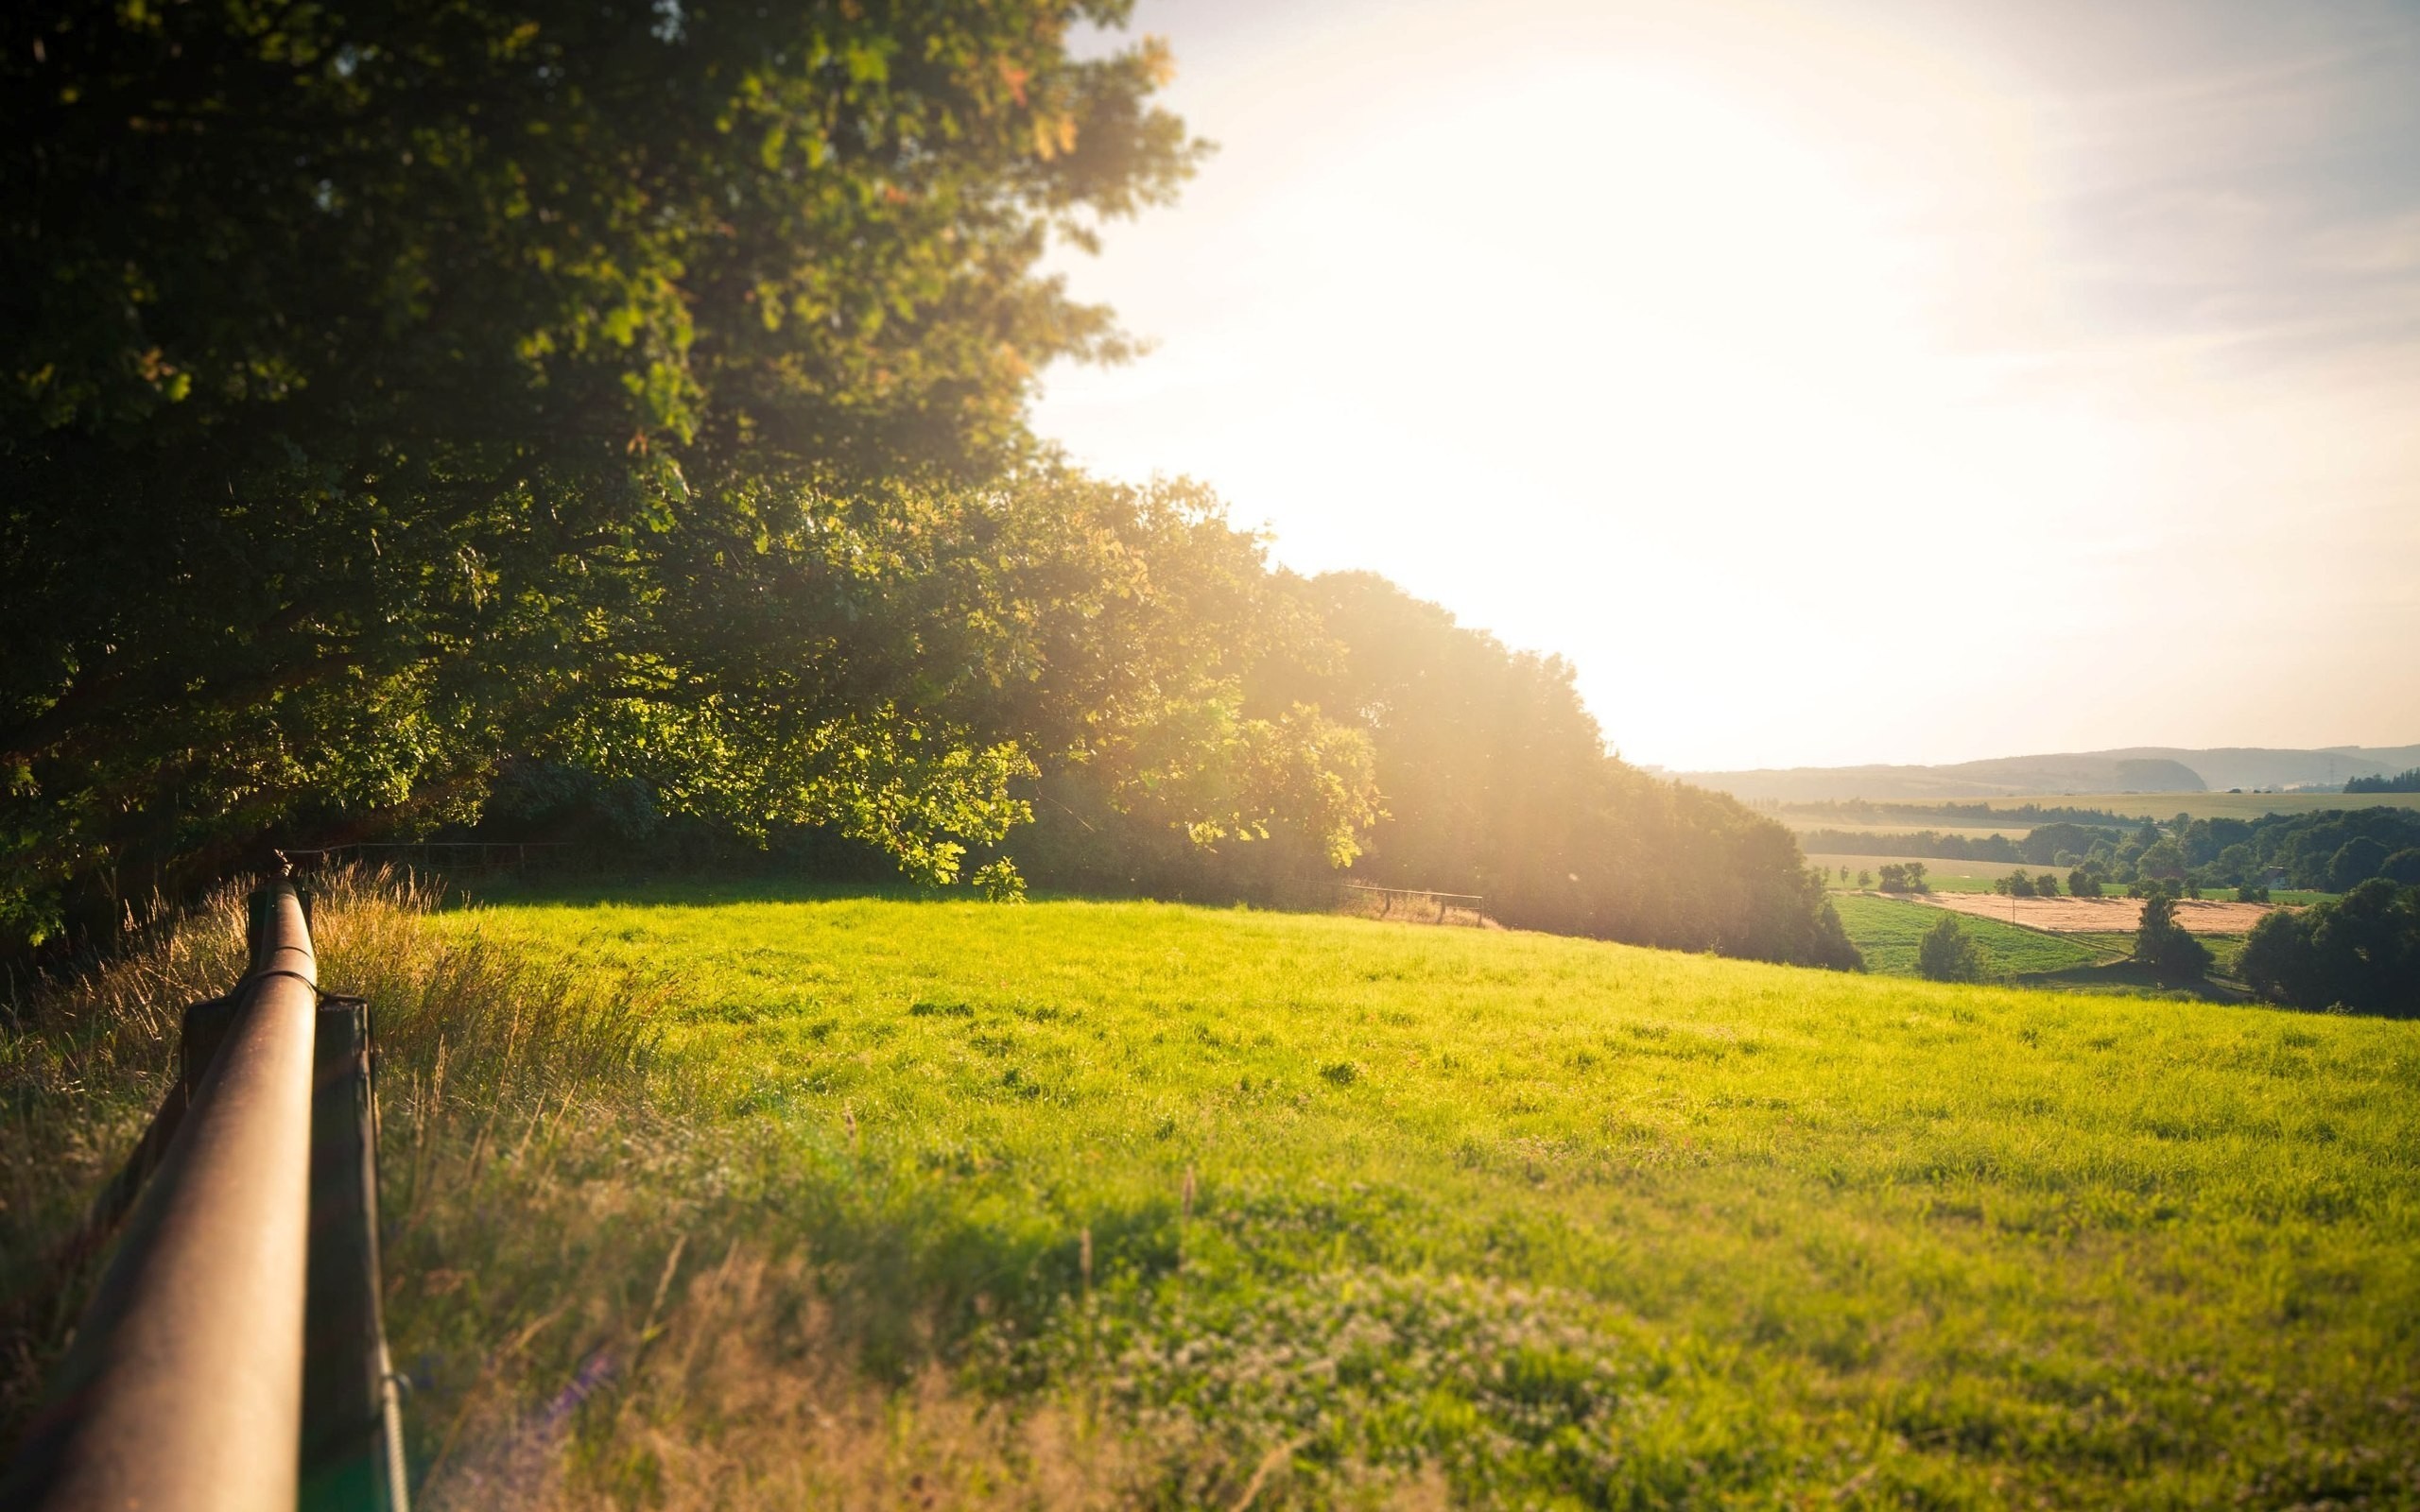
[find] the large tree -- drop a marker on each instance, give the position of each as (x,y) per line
(1496,781)
(391,388)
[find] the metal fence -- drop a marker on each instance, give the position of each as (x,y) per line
(233,1354)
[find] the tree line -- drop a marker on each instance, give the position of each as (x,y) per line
(549,417)
(2331,851)
(2041,848)
(2406,782)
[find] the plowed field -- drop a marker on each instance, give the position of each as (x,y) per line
(2098,916)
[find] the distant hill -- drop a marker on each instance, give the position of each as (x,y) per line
(2135,769)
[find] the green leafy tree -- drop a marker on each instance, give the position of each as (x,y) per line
(394,391)
(2356,862)
(2164,946)
(2083,883)
(2360,951)
(2163,860)
(1498,782)
(2046,884)
(1948,953)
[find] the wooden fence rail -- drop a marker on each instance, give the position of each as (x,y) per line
(1416,899)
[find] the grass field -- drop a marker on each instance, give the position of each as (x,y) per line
(1887,930)
(1524,1218)
(1118,1204)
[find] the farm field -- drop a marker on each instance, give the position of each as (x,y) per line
(1376,1209)
(1888,930)
(2087,916)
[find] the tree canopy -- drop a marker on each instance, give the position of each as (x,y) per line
(512,413)
(393,388)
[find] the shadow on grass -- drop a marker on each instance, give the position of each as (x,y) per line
(2131,978)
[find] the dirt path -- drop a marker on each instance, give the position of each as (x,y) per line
(2097,916)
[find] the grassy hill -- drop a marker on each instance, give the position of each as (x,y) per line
(1097,1203)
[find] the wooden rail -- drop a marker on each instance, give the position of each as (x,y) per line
(233,1354)
(1444,901)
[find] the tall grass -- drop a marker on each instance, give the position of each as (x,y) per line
(576,1288)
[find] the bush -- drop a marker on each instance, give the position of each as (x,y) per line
(2251,892)
(1947,955)
(2046,886)
(2015,884)
(2083,883)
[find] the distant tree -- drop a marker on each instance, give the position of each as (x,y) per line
(2165,858)
(1947,955)
(2164,946)
(1844,875)
(1895,877)
(2403,867)
(1916,878)
(2237,861)
(2083,883)
(2356,862)
(2015,884)
(2362,951)
(2045,886)
(1865,878)
(2251,892)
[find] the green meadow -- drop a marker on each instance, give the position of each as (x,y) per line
(1318,1211)
(1887,932)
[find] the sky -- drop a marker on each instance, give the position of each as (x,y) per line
(1829,382)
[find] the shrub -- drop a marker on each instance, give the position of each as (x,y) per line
(2083,883)
(1948,954)
(2046,884)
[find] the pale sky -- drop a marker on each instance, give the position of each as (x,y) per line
(1833,381)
